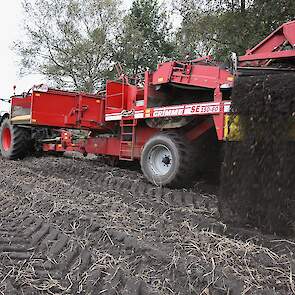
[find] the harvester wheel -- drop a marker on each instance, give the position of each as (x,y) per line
(168,159)
(15,141)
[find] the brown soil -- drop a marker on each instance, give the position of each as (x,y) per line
(73,226)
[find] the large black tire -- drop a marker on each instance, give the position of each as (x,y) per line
(168,160)
(15,141)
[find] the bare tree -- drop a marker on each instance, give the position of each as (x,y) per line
(69,41)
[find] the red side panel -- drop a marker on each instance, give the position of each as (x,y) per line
(199,75)
(114,97)
(67,110)
(120,96)
(163,74)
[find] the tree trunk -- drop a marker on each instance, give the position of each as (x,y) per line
(243,6)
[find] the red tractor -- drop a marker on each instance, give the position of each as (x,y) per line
(172,124)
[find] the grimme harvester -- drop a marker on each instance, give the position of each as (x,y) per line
(170,124)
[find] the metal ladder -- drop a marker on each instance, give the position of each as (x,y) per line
(127,139)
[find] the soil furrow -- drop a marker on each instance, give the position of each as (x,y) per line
(80,227)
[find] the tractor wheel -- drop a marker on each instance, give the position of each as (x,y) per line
(168,160)
(15,141)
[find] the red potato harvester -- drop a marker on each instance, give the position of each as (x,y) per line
(173,123)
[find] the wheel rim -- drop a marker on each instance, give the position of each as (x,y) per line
(6,139)
(160,160)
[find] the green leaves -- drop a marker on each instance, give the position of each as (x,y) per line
(225,26)
(146,37)
(75,43)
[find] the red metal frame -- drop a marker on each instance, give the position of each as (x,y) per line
(102,145)
(271,47)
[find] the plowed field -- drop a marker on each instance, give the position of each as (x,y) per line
(76,226)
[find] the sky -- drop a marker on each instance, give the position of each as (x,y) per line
(10,18)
